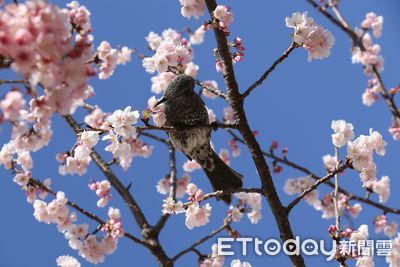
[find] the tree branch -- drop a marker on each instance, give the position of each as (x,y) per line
(236,101)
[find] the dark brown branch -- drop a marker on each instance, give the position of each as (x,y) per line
(202,240)
(285,55)
(236,101)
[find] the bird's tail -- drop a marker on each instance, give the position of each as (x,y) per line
(223,177)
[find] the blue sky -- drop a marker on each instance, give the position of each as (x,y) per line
(294,106)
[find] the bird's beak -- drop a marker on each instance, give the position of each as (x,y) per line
(162,100)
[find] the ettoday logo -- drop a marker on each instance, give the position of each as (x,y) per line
(273,247)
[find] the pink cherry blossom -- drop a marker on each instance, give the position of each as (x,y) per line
(157,113)
(170,206)
(343,132)
(390,230)
(330,162)
(192,8)
(314,38)
(197,216)
(12,104)
(238,263)
(67,261)
(224,16)
(96,118)
(197,37)
(360,234)
(382,188)
(373,21)
(190,166)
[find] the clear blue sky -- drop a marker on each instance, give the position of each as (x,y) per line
(294,106)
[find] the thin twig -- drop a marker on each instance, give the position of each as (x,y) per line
(285,55)
(317,183)
(227,192)
(336,194)
(202,240)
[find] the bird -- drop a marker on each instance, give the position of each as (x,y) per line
(184,110)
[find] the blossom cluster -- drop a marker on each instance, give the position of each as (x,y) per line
(195,214)
(67,261)
(393,259)
(171,50)
(215,260)
(192,8)
(90,247)
(113,226)
(31,128)
(163,185)
(369,55)
(78,160)
(102,190)
(110,57)
(314,38)
(381,224)
(249,203)
(360,151)
(224,17)
(371,93)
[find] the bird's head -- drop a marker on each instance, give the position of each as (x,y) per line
(181,85)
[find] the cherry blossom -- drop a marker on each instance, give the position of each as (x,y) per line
(238,263)
(224,16)
(343,132)
(330,162)
(393,258)
(191,165)
(67,261)
(170,206)
(163,185)
(113,226)
(382,188)
(157,113)
(197,216)
(314,38)
(253,201)
(102,190)
(373,21)
(192,8)
(370,56)
(110,58)
(12,104)
(213,260)
(360,234)
(197,37)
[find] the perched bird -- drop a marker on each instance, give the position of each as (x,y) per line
(185,110)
